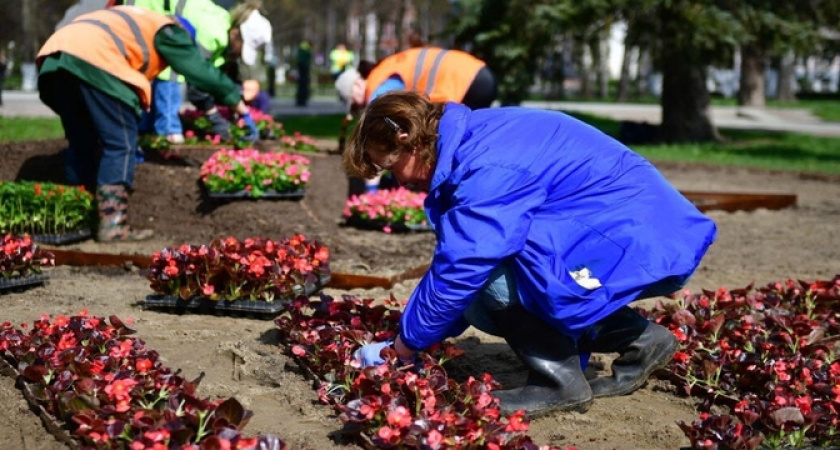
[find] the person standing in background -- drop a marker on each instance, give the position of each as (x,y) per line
(257,47)
(212,36)
(340,60)
(95,73)
(413,36)
(304,63)
(442,74)
(3,67)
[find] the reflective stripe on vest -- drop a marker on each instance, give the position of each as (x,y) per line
(119,43)
(138,36)
(442,74)
(135,30)
(418,67)
(433,72)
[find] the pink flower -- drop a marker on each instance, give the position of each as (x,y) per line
(122,350)
(399,417)
(388,434)
(143,365)
(434,439)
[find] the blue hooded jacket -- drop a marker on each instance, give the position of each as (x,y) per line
(548,195)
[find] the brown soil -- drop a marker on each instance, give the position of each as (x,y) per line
(241,357)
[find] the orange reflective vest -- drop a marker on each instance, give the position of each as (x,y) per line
(119,41)
(445,75)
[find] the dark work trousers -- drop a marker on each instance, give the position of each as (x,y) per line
(101,131)
(302,93)
(482,91)
(200,99)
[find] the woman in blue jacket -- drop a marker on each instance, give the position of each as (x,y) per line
(546,230)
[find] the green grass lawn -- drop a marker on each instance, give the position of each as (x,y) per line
(29,128)
(763,149)
(768,150)
(327,126)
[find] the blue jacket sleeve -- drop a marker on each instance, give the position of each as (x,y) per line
(491,213)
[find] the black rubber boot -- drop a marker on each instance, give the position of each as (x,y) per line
(555,381)
(642,345)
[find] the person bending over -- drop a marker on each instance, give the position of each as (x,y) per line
(546,230)
(95,73)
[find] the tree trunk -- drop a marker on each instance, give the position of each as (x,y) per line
(643,70)
(601,46)
(27,48)
(685,98)
(624,79)
(584,63)
(751,92)
(786,92)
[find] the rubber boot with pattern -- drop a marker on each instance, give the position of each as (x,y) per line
(112,202)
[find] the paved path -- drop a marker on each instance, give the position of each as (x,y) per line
(17,103)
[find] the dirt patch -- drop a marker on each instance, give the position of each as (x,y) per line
(241,358)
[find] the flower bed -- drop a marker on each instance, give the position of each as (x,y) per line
(768,356)
(299,143)
(254,275)
(387,210)
(99,388)
(248,172)
(51,213)
(200,140)
(21,263)
(196,121)
(414,406)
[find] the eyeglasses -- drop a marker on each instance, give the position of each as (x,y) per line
(392,157)
(386,165)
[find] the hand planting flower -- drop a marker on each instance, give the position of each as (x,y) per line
(387,209)
(194,120)
(240,170)
(370,354)
(419,408)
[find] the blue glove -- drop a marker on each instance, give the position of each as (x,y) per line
(254,132)
(369,353)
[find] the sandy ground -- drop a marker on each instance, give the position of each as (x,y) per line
(241,356)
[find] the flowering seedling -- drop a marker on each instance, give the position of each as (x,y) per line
(387,209)
(299,143)
(21,258)
(395,405)
(769,354)
(229,269)
(44,208)
(255,172)
(115,393)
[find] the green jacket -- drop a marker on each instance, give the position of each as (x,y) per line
(175,46)
(211,22)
